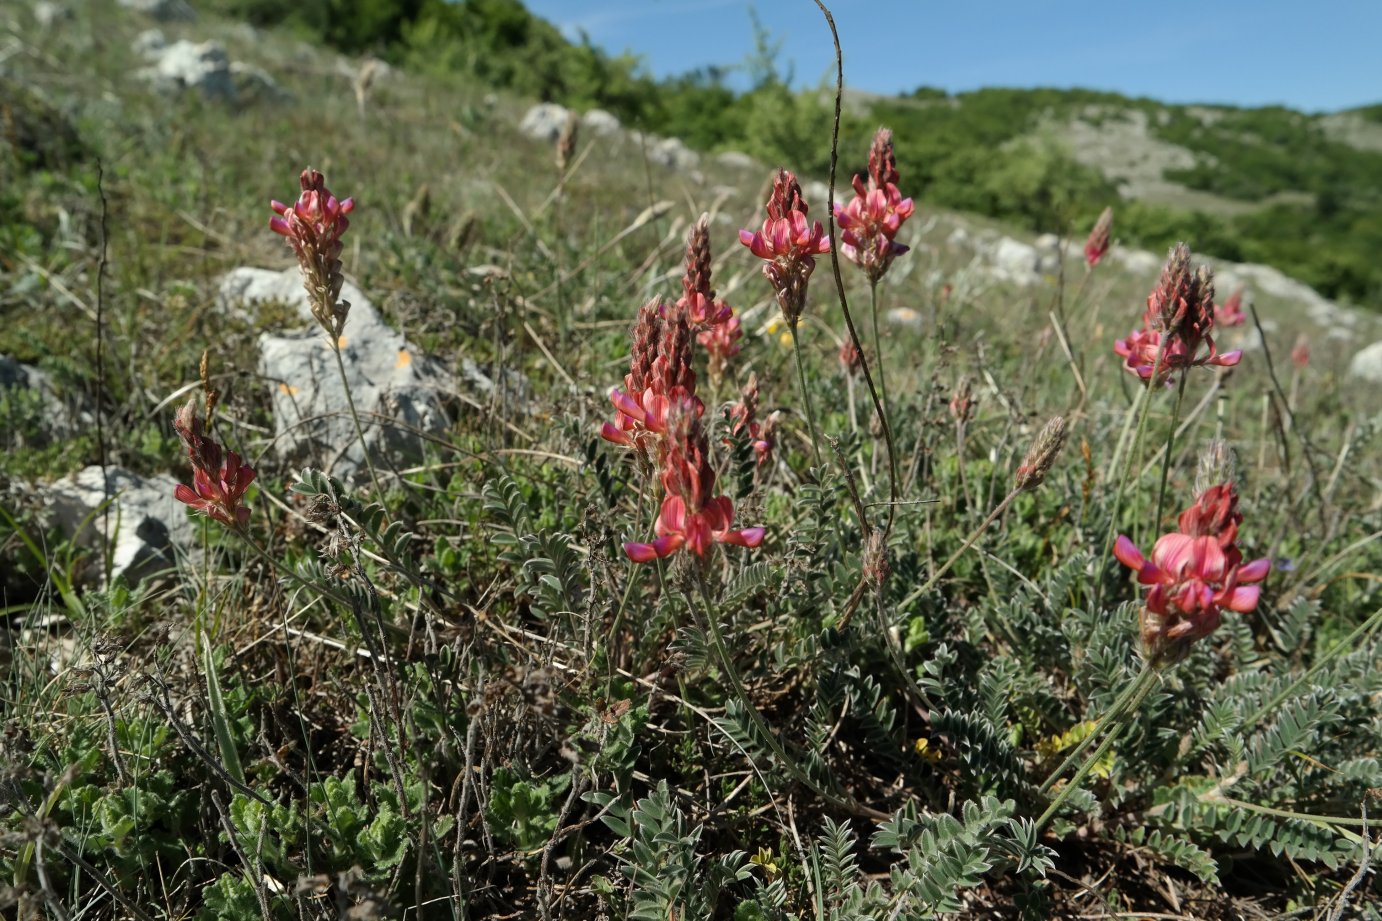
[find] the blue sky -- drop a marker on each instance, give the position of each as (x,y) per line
(1321,56)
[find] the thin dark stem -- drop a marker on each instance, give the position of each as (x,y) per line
(893,482)
(101,364)
(974,536)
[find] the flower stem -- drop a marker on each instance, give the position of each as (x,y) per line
(764,730)
(806,396)
(1139,411)
(1126,704)
(974,536)
(1170,446)
(878,345)
(355,417)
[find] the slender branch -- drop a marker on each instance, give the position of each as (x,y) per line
(998,510)
(893,483)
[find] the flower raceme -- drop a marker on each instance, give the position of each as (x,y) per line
(660,382)
(712,320)
(691,517)
(869,222)
(1230,312)
(788,244)
(744,416)
(313,226)
(219,478)
(1176,325)
(1195,573)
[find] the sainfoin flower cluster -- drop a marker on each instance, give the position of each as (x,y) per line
(1100,237)
(788,243)
(714,322)
(869,222)
(313,226)
(1195,573)
(661,383)
(219,478)
(659,414)
(1176,327)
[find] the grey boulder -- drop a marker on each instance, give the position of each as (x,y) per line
(399,393)
(148,529)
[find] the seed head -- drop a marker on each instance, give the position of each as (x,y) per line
(1046,447)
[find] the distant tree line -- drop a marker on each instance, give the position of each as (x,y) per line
(981,151)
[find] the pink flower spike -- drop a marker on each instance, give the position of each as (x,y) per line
(788,244)
(219,478)
(1195,573)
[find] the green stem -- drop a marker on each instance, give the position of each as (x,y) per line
(355,417)
(878,345)
(978,532)
(1348,643)
(736,685)
(1129,700)
(1138,409)
(1115,711)
(1170,447)
(628,592)
(806,396)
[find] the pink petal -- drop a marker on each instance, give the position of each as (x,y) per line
(1127,553)
(1243,598)
(744,537)
(609,432)
(641,553)
(1174,554)
(1255,571)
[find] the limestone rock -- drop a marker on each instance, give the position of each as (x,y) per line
(399,393)
(735,159)
(149,43)
(162,10)
(674,154)
(1367,364)
(600,123)
(48,14)
(62,418)
(1013,261)
(253,84)
(184,65)
(544,122)
(148,528)
(1049,254)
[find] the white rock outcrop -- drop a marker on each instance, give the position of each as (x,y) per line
(200,66)
(1367,364)
(161,10)
(399,393)
(674,154)
(601,123)
(147,527)
(62,417)
(544,122)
